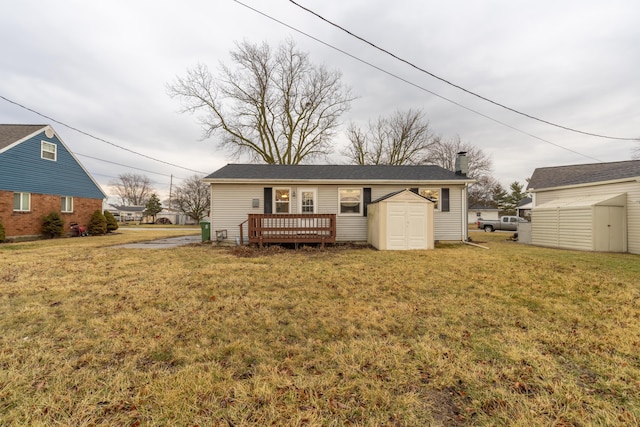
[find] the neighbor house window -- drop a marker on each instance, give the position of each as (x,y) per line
(350,201)
(282,200)
(49,150)
(66,204)
(433,194)
(22,202)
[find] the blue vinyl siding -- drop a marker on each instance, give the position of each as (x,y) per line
(22,169)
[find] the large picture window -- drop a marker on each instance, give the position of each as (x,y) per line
(282,200)
(49,151)
(66,204)
(22,202)
(350,201)
(433,194)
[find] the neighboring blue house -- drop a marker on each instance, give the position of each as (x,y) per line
(40,175)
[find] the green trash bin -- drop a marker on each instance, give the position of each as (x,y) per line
(205,226)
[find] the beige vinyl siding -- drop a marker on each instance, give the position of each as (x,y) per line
(632,190)
(568,228)
(230,204)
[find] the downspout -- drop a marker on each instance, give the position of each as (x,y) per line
(465,218)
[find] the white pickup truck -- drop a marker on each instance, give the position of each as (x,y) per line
(507,222)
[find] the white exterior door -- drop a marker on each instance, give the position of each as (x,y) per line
(307,204)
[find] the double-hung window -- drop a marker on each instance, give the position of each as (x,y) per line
(282,200)
(433,194)
(350,201)
(66,203)
(22,202)
(49,151)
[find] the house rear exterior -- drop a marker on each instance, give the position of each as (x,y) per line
(344,190)
(587,207)
(40,175)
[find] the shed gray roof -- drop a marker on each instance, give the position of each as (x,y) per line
(261,172)
(561,176)
(12,133)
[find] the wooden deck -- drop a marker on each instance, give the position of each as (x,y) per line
(291,228)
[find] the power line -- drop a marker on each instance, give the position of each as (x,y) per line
(458,86)
(126,166)
(96,137)
(416,85)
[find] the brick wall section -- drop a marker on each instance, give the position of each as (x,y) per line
(17,224)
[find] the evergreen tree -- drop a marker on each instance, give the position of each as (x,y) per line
(516,195)
(98,224)
(112,224)
(53,225)
(499,195)
(153,207)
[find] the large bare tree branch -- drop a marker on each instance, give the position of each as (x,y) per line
(274,105)
(132,189)
(404,138)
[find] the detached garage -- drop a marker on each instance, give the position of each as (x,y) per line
(401,220)
(590,223)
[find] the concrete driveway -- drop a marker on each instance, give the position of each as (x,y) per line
(169,242)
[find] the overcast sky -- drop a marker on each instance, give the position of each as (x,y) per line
(103,67)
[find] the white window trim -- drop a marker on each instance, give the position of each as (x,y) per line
(299,192)
(275,202)
(361,201)
(21,208)
(70,200)
(437,209)
(42,151)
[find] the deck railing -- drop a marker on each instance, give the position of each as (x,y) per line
(291,228)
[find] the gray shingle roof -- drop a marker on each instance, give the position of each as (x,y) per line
(254,172)
(560,176)
(12,133)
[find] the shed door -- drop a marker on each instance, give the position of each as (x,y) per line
(396,226)
(609,229)
(406,226)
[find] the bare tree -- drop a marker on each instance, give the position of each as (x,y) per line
(275,105)
(481,192)
(193,198)
(132,189)
(404,138)
(444,152)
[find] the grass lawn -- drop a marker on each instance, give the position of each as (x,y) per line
(199,335)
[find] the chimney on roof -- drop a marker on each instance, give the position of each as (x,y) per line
(462,164)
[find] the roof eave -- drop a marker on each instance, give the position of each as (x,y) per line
(585,184)
(337,181)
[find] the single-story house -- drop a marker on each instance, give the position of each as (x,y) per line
(477,212)
(40,175)
(124,213)
(339,192)
(587,207)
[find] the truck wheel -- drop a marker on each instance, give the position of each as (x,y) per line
(488,228)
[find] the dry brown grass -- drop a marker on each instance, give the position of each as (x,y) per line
(199,335)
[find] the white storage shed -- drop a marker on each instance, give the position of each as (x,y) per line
(401,220)
(590,223)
